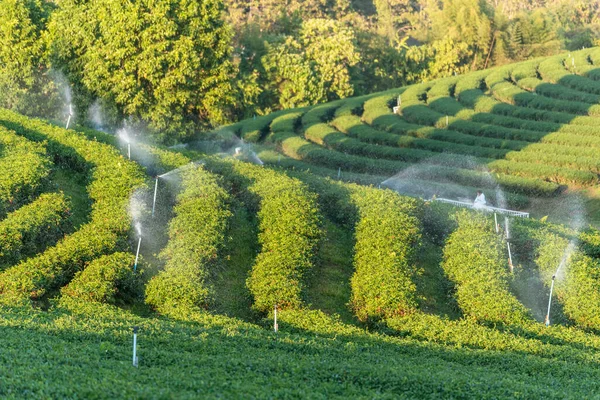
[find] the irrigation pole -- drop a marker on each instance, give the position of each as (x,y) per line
(547,322)
(129,150)
(496,223)
(137,253)
(135,359)
(70,115)
(155,193)
(510,261)
(275,326)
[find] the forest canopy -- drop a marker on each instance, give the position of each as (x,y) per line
(181,66)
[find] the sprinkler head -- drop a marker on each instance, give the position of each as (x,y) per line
(135,329)
(547,321)
(553,276)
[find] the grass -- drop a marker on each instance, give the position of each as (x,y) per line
(435,291)
(328,289)
(232,297)
(73,185)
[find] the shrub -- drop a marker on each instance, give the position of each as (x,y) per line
(474,259)
(104,279)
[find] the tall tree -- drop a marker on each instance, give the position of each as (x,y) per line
(163,61)
(25,83)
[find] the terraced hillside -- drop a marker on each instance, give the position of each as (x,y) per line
(378,294)
(531,128)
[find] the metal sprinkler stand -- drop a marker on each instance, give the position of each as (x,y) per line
(496,223)
(129,150)
(70,115)
(137,253)
(155,193)
(547,321)
(275,326)
(508,238)
(135,358)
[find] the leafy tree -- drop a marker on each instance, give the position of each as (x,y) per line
(313,67)
(25,83)
(166,62)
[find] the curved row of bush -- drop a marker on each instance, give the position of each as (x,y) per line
(554,70)
(196,234)
(289,231)
(112,181)
(524,167)
(33,227)
(475,260)
(325,135)
(24,170)
(387,234)
(354,127)
(105,280)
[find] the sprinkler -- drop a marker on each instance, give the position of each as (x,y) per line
(70,115)
(155,193)
(496,223)
(547,321)
(339,173)
(129,150)
(135,358)
(510,261)
(275,326)
(137,252)
(446,121)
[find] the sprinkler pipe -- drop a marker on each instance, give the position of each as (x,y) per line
(275,326)
(135,359)
(547,322)
(155,193)
(70,115)
(129,150)
(496,223)
(137,253)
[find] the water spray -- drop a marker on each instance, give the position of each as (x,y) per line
(155,193)
(135,358)
(70,115)
(275,326)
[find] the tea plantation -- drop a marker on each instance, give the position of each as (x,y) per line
(380,292)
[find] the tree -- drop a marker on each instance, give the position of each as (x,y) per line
(313,67)
(163,61)
(25,83)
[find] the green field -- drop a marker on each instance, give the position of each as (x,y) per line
(380,293)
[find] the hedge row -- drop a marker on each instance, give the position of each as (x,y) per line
(24,170)
(387,235)
(287,122)
(320,113)
(354,127)
(196,234)
(580,158)
(300,149)
(325,135)
(560,92)
(555,70)
(577,285)
(112,181)
(552,173)
(30,229)
(104,280)
(475,260)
